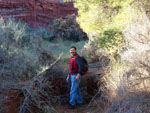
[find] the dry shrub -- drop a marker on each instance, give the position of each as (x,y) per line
(22,60)
(39,93)
(22,53)
(128,80)
(27,64)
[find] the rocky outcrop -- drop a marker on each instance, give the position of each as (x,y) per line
(35,12)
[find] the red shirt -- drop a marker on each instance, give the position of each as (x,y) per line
(75,65)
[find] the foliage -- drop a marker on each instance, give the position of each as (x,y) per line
(101,17)
(66,29)
(110,39)
(25,52)
(21,52)
(28,64)
(125,83)
(128,79)
(128,85)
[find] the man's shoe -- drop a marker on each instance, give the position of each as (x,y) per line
(71,106)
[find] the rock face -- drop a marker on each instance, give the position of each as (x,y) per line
(35,12)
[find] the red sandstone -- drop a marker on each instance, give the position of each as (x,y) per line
(36,12)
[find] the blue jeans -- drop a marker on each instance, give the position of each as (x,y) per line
(75,94)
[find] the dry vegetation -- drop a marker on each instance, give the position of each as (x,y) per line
(33,69)
(126,80)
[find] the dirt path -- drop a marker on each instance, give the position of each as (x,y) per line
(94,70)
(78,109)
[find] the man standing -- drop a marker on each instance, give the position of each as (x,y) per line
(75,69)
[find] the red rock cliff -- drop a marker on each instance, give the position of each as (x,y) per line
(35,12)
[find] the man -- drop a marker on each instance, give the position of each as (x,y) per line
(75,69)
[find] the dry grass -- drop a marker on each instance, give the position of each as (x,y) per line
(128,80)
(125,82)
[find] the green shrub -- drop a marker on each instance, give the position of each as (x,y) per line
(107,19)
(110,39)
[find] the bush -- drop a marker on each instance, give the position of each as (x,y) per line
(25,52)
(20,51)
(125,85)
(27,64)
(66,29)
(128,80)
(104,21)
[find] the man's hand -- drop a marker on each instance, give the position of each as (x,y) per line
(68,77)
(77,77)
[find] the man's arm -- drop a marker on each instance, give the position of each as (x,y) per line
(68,77)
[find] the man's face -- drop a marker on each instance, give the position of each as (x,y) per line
(72,51)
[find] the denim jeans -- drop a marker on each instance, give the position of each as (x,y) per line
(75,94)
